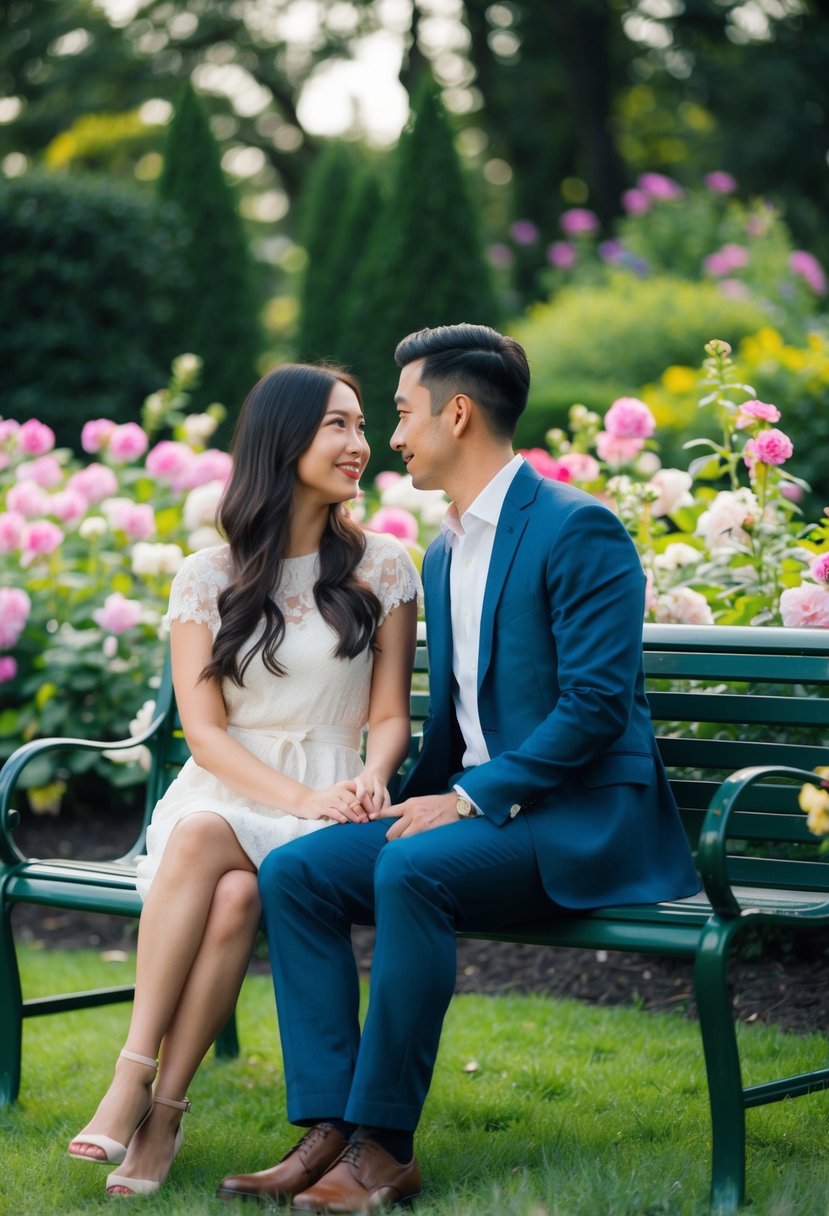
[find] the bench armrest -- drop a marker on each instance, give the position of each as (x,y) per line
(712,860)
(17,761)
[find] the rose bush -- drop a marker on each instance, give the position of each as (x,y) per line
(88,547)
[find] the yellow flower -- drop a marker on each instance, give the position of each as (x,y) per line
(678,379)
(815,803)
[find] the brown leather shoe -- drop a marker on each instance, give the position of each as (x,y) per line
(365,1179)
(300,1168)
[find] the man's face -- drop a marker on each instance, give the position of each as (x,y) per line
(422,438)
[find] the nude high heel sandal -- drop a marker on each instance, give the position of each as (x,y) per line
(148,1186)
(115,1152)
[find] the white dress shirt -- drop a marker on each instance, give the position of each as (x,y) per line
(470,538)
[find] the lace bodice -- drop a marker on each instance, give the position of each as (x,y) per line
(385,567)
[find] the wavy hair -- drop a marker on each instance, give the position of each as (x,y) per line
(277,423)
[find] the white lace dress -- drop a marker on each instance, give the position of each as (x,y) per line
(306,724)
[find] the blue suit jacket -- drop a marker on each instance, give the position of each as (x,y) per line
(561,701)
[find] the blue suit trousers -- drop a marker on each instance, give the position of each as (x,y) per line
(417,890)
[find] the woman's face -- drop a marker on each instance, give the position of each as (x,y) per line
(329,469)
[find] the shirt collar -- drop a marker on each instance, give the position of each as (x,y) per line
(487,506)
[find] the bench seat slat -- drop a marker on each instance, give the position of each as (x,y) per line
(701,706)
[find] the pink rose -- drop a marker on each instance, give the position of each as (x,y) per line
(805,607)
(95,434)
(44,472)
(545,464)
(11,530)
(629,418)
(578,220)
(68,506)
(118,614)
(636,202)
(768,447)
(40,538)
(683,606)
(137,520)
(807,267)
(170,462)
(580,465)
(395,521)
(659,186)
(615,450)
(8,669)
(35,438)
(720,182)
(726,260)
(791,491)
(15,607)
(127,443)
(561,254)
(820,568)
(8,432)
(212,465)
(27,498)
(750,411)
(94,482)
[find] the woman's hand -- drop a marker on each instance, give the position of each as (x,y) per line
(339,802)
(371,791)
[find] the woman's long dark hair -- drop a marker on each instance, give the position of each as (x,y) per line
(277,423)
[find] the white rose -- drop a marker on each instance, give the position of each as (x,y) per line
(430,505)
(203,538)
(682,606)
(721,524)
(92,527)
(676,556)
(201,504)
(672,486)
(198,428)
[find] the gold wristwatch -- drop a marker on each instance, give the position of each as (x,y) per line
(465,809)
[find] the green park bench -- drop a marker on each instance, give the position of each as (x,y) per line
(741,715)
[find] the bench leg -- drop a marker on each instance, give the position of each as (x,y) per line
(11,1012)
(722,1063)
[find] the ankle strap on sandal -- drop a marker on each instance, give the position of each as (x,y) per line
(185,1105)
(131,1055)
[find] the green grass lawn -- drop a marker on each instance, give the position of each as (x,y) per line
(538,1108)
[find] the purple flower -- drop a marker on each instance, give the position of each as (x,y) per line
(561,254)
(720,182)
(8,668)
(612,251)
(726,260)
(808,268)
(578,220)
(524,232)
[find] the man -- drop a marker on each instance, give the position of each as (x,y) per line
(538,786)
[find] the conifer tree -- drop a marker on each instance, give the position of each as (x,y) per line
(321,213)
(424,264)
(219,313)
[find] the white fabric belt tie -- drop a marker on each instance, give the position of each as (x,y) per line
(289,742)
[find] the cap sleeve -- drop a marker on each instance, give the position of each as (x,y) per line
(195,589)
(390,572)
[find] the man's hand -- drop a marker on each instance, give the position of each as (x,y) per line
(422,814)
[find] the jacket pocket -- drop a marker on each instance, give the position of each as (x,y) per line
(619,768)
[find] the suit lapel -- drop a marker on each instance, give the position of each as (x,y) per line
(511,524)
(439,632)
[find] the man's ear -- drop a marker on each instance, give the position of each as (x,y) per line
(461,415)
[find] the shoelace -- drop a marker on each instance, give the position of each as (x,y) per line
(320,1132)
(353,1151)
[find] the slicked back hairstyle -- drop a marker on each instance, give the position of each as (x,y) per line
(277,423)
(476,361)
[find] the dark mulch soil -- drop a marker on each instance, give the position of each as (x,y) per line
(780,984)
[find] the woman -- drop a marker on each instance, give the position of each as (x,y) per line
(285,642)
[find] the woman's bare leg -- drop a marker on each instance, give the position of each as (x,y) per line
(201,849)
(208,999)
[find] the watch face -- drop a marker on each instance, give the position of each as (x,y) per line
(464,807)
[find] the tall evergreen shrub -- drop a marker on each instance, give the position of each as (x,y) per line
(219,311)
(321,212)
(424,264)
(89,275)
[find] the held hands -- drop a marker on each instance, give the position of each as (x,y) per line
(372,793)
(340,802)
(420,814)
